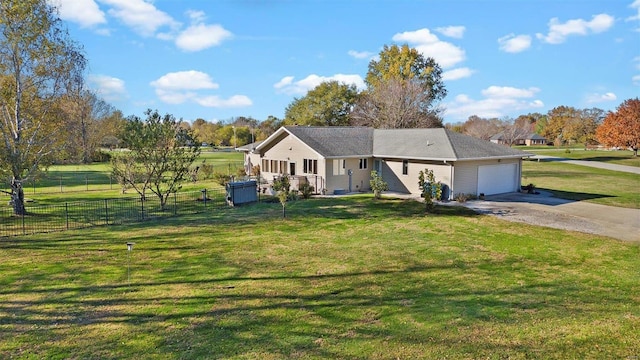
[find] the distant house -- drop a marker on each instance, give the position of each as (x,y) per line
(340,159)
(527,140)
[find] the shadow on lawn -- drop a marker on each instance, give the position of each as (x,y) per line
(244,315)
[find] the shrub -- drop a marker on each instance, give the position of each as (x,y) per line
(430,188)
(377,184)
(221,178)
(306,190)
(206,171)
(462,197)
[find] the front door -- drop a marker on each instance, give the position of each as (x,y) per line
(292,168)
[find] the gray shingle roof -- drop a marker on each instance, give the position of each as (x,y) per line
(335,141)
(419,144)
(436,144)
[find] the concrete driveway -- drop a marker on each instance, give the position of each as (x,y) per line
(545,210)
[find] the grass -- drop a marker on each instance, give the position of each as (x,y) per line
(93,181)
(349,278)
(575,182)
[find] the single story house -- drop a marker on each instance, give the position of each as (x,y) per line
(340,159)
(528,139)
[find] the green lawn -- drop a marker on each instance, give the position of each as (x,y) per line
(577,182)
(349,278)
(63,183)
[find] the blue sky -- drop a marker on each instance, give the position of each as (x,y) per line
(217,59)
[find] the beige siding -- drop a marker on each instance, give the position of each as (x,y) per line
(392,174)
(359,178)
(291,151)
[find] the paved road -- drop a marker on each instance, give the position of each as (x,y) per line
(596,164)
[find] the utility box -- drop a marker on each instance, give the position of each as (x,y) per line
(242,192)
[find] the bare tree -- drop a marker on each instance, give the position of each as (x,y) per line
(481,128)
(396,103)
(513,131)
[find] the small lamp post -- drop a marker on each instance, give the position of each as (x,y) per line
(129,248)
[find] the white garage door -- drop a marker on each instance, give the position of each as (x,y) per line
(497,179)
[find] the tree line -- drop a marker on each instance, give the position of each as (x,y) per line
(564,125)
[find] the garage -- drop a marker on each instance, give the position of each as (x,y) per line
(497,179)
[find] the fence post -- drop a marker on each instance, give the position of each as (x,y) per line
(60,178)
(142,206)
(66,214)
(24,229)
(106,211)
(204,197)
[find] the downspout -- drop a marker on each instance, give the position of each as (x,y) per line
(519,176)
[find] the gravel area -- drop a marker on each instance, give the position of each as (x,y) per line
(545,210)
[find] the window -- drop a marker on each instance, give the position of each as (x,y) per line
(363,164)
(283,167)
(338,166)
(265,165)
(405,167)
(310,166)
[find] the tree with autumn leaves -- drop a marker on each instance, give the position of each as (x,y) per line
(622,127)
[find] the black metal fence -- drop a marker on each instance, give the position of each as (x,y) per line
(83,214)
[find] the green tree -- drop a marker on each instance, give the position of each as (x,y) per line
(328,104)
(160,157)
(403,88)
(282,186)
(430,189)
(567,124)
(405,63)
(39,64)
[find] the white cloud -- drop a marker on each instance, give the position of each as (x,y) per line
(636,80)
(107,87)
(140,15)
(452,31)
(185,86)
(215,101)
(287,86)
(456,74)
(360,54)
(196,16)
(509,92)
(86,13)
(514,43)
(184,80)
(446,54)
(558,32)
(636,6)
(597,98)
(199,37)
(498,101)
